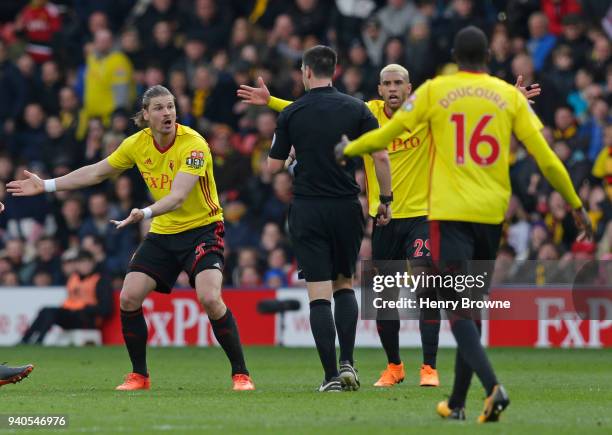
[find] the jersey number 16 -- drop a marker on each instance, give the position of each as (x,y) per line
(476,139)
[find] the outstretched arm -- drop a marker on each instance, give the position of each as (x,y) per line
(181,187)
(77,179)
(260,96)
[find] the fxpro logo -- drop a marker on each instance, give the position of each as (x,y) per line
(555,318)
(171,327)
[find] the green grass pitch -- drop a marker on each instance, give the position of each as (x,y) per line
(552,391)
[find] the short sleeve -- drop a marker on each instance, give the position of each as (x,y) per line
(281,144)
(193,157)
(122,158)
(526,122)
(368,120)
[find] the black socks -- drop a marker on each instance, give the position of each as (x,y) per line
(429,327)
(324,333)
(346,313)
(226,333)
(135,334)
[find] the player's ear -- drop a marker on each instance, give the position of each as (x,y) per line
(409,88)
(488,56)
(380,90)
(145,114)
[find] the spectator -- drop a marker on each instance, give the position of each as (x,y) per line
(69,220)
(593,128)
(573,36)
(158,10)
(561,72)
(310,17)
(500,63)
(275,209)
(546,103)
(120,245)
(46,260)
(374,38)
(87,304)
(557,10)
(51,79)
(27,143)
(162,48)
(108,81)
(38,22)
(541,42)
(12,92)
(397,16)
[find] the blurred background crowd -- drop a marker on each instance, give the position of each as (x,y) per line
(72,71)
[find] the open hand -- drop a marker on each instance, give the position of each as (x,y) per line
(339,150)
(583,223)
(32,185)
(530,91)
(136,215)
(258,96)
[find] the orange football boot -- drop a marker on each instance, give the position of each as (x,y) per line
(429,376)
(12,375)
(242,382)
(393,374)
(135,381)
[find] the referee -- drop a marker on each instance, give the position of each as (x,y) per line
(325,218)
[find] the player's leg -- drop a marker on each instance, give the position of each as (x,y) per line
(208,288)
(153,267)
(311,244)
(487,244)
(46,318)
(418,253)
(388,246)
(204,265)
(136,287)
(12,375)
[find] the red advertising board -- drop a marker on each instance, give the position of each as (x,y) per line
(177,319)
(552,318)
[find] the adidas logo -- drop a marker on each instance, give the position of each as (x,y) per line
(148,161)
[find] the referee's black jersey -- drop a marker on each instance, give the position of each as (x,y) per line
(314,124)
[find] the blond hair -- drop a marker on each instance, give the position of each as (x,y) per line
(152,92)
(395,68)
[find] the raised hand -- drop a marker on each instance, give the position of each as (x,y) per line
(530,91)
(583,223)
(339,150)
(258,96)
(32,185)
(136,215)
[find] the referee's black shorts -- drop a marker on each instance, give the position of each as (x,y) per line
(326,236)
(164,256)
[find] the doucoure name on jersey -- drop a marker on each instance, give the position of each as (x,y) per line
(469,91)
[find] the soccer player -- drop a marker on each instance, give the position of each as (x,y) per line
(325,219)
(407,235)
(186,231)
(471,116)
(12,375)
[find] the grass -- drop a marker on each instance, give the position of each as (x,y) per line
(554,391)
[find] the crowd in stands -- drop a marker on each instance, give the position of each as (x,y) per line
(72,71)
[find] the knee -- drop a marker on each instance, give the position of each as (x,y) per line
(128,302)
(212,303)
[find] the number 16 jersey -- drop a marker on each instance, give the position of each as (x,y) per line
(471,117)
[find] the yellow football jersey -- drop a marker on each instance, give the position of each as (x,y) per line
(408,154)
(471,117)
(190,154)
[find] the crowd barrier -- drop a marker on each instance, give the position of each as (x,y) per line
(177,320)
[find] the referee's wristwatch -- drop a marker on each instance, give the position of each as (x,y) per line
(386,199)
